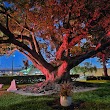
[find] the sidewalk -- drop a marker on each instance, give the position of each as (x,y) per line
(21,92)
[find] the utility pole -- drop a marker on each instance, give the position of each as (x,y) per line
(12,62)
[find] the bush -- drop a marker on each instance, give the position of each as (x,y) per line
(98,77)
(91,78)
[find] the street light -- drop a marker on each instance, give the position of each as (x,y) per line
(12,62)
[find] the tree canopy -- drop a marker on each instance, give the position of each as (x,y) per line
(55,34)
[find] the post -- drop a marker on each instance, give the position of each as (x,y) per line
(12,62)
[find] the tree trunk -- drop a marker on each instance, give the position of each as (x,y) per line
(105,69)
(104,65)
(57,76)
(65,77)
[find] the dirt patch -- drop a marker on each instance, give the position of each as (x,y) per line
(3,92)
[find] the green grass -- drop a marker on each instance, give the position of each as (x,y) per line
(92,100)
(96,81)
(13,101)
(5,87)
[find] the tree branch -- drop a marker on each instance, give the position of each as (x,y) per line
(11,52)
(63,47)
(42,68)
(12,40)
(75,40)
(24,38)
(78,59)
(4,41)
(7,22)
(7,14)
(36,46)
(6,31)
(27,39)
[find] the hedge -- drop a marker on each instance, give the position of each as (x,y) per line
(27,79)
(98,77)
(22,79)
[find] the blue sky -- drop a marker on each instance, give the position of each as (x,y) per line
(17,57)
(95,62)
(6,61)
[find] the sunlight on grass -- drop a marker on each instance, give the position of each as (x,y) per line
(5,87)
(95,100)
(95,81)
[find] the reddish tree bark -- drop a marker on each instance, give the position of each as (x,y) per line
(104,64)
(53,27)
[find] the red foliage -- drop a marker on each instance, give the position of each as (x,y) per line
(49,26)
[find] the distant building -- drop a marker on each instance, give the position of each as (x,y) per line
(8,71)
(31,70)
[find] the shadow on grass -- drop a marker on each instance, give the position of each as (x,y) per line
(35,104)
(55,105)
(28,105)
(81,105)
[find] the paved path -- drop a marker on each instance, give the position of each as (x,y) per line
(21,92)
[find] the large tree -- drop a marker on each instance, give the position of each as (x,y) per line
(55,35)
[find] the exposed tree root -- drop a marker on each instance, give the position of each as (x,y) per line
(43,87)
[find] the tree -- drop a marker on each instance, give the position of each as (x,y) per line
(103,58)
(56,35)
(88,68)
(76,69)
(26,64)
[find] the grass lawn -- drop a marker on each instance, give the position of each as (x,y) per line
(93,100)
(96,81)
